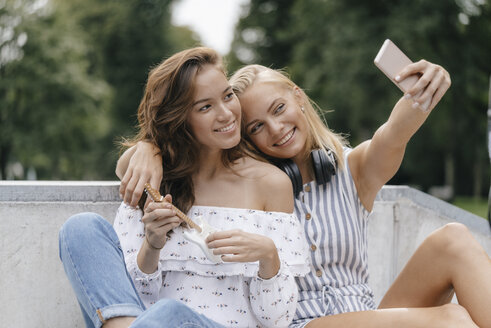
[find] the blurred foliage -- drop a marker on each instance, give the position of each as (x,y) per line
(477,206)
(50,105)
(328,47)
(72,73)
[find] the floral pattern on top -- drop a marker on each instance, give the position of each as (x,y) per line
(231,294)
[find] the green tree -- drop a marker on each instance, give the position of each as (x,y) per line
(127,37)
(72,82)
(332,46)
(263,35)
(49,108)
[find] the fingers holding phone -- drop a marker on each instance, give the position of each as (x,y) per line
(423,82)
(431,85)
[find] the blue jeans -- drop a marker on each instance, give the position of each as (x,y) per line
(94,264)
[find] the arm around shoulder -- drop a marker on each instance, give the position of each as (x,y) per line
(123,161)
(138,165)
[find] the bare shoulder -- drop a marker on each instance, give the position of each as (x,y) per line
(251,168)
(271,185)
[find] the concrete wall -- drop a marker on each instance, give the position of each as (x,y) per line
(35,293)
(401,219)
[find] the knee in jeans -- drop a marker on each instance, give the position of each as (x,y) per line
(171,312)
(80,222)
(172,307)
(80,226)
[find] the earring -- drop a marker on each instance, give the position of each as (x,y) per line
(302,109)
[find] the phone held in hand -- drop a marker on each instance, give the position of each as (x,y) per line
(391,61)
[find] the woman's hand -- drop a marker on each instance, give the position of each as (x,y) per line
(240,246)
(374,162)
(434,81)
(159,219)
(145,165)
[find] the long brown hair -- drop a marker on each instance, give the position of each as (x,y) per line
(162,116)
(320,136)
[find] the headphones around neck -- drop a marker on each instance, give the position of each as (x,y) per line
(324,165)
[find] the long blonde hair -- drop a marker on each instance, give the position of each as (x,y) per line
(162,117)
(320,136)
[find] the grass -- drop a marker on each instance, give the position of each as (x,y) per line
(476,206)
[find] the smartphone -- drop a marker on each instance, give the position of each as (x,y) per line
(391,60)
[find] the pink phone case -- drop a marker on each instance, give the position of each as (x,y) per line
(391,60)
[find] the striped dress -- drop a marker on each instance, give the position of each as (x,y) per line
(335,225)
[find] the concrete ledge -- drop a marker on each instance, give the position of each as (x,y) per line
(399,193)
(59,191)
(36,293)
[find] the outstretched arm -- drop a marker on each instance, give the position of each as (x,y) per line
(138,165)
(375,161)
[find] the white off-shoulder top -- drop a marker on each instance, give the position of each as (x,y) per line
(231,294)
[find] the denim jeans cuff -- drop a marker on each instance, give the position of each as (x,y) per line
(112,311)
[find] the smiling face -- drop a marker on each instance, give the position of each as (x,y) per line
(216,112)
(274,120)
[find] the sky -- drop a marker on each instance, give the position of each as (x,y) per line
(212,20)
